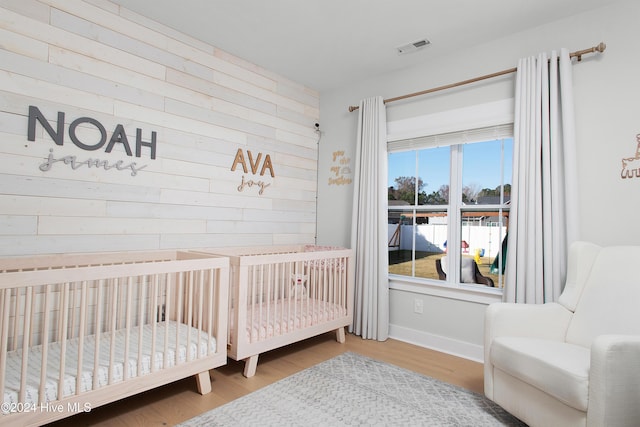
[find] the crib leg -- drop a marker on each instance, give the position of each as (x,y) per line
(250,365)
(340,335)
(204,382)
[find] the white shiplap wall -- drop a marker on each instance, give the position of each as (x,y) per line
(94,59)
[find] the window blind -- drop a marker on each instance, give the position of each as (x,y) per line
(460,137)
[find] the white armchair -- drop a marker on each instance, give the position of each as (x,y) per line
(575,362)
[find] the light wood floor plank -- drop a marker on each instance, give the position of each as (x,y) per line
(177,402)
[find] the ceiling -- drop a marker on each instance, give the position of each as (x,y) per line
(327,44)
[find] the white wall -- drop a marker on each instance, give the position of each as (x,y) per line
(94,59)
(607,122)
(433,238)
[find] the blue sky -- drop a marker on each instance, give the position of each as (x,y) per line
(481,165)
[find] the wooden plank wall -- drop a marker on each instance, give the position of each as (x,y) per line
(94,59)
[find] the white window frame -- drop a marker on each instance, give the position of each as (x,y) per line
(474,117)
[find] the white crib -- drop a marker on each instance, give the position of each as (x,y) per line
(284,294)
(79,331)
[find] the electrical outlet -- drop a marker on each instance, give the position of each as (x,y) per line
(417,306)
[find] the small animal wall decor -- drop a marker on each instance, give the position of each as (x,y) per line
(298,285)
(631,165)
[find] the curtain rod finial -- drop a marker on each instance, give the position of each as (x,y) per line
(353,108)
(601,47)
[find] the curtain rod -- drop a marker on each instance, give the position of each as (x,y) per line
(577,54)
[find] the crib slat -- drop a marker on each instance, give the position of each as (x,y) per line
(168,309)
(4,328)
(14,305)
(259,284)
(189,311)
(112,329)
(252,303)
(96,355)
(45,344)
(140,322)
(330,274)
(127,329)
(282,292)
(271,318)
(154,320)
(81,334)
(212,287)
(334,271)
(72,307)
(295,306)
(60,316)
(287,300)
(233,323)
(295,266)
(16,323)
(200,301)
(26,332)
(179,288)
(63,342)
(343,283)
(308,318)
(32,310)
(328,283)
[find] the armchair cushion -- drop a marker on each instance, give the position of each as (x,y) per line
(556,368)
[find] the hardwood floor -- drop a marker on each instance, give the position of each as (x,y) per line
(179,401)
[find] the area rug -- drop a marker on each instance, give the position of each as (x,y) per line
(353,390)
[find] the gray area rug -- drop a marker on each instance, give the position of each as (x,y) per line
(353,390)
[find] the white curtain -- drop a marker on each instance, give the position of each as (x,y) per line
(369,223)
(544,212)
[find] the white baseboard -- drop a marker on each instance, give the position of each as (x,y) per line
(439,343)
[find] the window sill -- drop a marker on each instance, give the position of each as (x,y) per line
(461,291)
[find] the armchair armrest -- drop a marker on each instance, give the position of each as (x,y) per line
(614,381)
(547,321)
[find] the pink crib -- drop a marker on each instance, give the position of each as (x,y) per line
(79,331)
(284,294)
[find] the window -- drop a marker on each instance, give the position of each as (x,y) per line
(449,198)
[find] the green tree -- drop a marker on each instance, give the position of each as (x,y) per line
(440,197)
(405,189)
(496,191)
(470,193)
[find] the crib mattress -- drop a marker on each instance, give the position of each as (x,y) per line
(175,354)
(274,318)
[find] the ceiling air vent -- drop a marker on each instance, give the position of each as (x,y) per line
(412,47)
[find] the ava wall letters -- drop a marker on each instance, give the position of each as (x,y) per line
(255,165)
